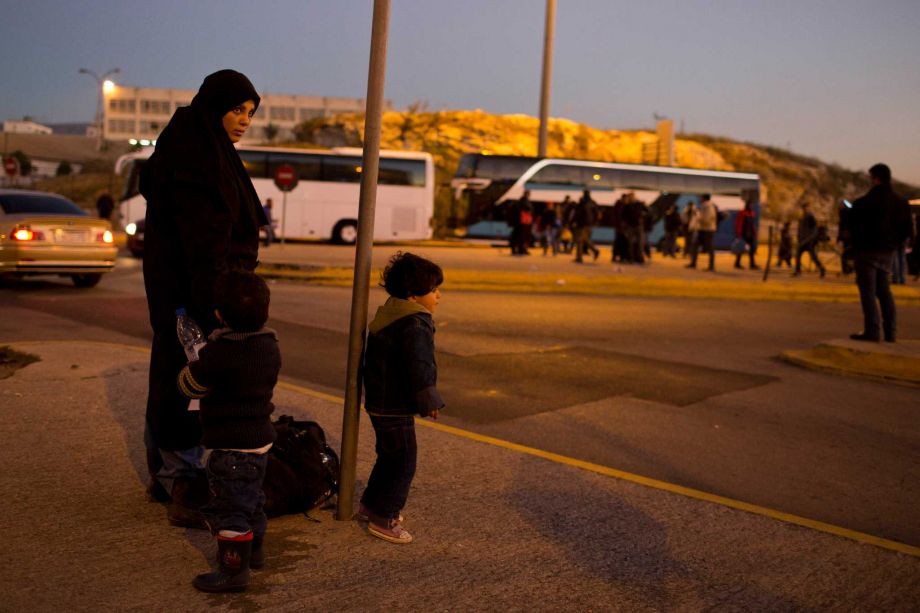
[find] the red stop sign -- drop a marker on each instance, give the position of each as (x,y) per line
(286,177)
(11,165)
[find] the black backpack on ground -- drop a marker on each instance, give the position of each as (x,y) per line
(302,472)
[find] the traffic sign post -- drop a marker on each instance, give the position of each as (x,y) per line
(11,166)
(285,180)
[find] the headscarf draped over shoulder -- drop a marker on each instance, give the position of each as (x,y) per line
(194,148)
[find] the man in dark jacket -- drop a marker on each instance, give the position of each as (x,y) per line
(879,222)
(585,217)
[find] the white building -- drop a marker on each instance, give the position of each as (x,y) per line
(141,113)
(25,126)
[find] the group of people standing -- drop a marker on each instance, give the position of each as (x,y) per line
(569,225)
(558,227)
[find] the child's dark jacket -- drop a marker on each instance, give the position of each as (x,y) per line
(400,373)
(234,377)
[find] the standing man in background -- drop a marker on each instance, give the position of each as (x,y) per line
(270,226)
(707,219)
(879,222)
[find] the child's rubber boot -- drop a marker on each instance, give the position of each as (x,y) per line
(232,574)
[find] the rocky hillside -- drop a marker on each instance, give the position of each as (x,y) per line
(788,179)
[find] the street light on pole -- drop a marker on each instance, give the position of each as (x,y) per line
(104,86)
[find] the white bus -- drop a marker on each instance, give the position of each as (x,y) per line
(324,204)
(484,184)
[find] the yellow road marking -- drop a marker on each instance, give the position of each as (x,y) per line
(688,492)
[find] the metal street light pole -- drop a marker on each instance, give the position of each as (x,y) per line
(547,74)
(100,106)
(367,201)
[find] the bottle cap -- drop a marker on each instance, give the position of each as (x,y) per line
(181,311)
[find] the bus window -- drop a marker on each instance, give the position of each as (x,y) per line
(255,163)
(305,165)
(401,172)
(560,174)
(467,166)
(640,179)
(502,167)
(341,169)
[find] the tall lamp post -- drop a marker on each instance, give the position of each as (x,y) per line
(548,35)
(103,84)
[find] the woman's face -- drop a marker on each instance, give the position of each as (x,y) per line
(237,120)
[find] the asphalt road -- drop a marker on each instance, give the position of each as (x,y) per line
(686,391)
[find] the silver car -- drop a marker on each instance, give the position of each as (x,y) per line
(42,233)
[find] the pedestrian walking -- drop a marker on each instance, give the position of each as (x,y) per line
(400,382)
(203,219)
(746,234)
(807,236)
(784,253)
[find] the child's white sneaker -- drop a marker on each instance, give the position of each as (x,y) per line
(393,533)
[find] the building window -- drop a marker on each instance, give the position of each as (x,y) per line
(120,105)
(151,126)
(281,113)
(155,107)
(121,126)
(306,114)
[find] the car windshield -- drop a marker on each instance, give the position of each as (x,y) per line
(40,204)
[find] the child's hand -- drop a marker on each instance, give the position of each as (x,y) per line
(434,414)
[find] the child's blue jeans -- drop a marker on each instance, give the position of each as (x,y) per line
(235,478)
(388,486)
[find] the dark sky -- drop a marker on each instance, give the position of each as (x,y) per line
(838,79)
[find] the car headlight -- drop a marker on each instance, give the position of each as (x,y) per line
(131,229)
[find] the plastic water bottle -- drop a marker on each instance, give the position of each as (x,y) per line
(190,335)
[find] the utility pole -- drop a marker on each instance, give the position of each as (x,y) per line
(367,201)
(101,84)
(547,74)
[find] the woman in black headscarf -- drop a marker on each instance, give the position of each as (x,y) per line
(203,218)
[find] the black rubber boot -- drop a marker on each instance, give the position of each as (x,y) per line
(188,496)
(232,574)
(257,557)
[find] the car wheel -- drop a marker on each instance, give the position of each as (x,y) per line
(345,232)
(86,280)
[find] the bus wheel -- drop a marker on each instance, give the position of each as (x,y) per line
(345,232)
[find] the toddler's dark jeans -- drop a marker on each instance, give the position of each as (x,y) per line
(236,501)
(388,486)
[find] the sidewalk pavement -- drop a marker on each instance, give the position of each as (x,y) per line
(496,529)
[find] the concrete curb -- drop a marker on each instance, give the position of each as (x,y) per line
(898,363)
